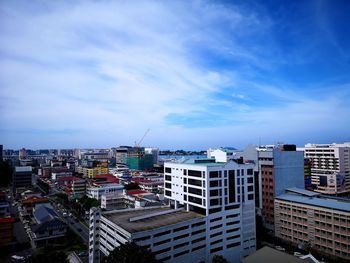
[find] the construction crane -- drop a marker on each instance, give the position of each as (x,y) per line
(137,144)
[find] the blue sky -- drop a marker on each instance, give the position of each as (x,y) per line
(199,74)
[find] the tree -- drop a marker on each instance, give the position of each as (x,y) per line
(219,259)
(131,186)
(131,253)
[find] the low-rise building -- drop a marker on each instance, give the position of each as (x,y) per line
(97,191)
(307,218)
(74,186)
(6,230)
(49,227)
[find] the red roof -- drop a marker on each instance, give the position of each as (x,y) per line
(7,220)
(69,178)
(35,199)
(108,177)
(136,192)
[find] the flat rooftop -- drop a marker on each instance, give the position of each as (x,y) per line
(267,254)
(122,218)
(320,201)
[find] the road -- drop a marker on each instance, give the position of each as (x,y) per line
(79,228)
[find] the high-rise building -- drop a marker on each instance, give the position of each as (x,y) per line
(22,176)
(280,167)
(330,170)
(212,211)
(311,220)
(22,154)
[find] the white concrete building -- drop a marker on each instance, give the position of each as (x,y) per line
(212,211)
(98,191)
(224,194)
(221,154)
(330,168)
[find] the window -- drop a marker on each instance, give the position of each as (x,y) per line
(250,172)
(195,200)
(182,236)
(185,172)
(233,244)
(215,219)
(168,170)
(214,202)
(216,242)
(195,182)
(216,227)
(168,185)
(214,183)
(181,245)
(195,191)
(180,228)
(198,224)
(214,174)
(215,192)
(216,234)
(198,248)
(231,183)
(162,233)
(194,173)
(167,177)
(198,240)
(250,188)
(198,232)
(162,242)
(250,180)
(214,210)
(250,196)
(168,193)
(215,249)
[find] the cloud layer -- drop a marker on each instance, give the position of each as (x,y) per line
(197,73)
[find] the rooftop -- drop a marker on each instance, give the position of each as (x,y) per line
(321,201)
(272,256)
(302,192)
(199,162)
(122,218)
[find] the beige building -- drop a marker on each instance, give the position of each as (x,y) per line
(330,167)
(310,219)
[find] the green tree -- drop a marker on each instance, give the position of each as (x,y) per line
(219,259)
(131,186)
(131,253)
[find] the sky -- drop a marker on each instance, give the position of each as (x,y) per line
(198,74)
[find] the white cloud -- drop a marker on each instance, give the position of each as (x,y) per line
(109,70)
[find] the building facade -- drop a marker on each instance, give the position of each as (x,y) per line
(224,194)
(22,176)
(108,189)
(212,211)
(280,167)
(330,170)
(309,219)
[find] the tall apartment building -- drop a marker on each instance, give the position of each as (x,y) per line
(22,176)
(280,167)
(330,170)
(312,220)
(212,211)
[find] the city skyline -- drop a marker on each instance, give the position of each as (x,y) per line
(200,74)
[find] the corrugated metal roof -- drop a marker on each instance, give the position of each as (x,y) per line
(316,201)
